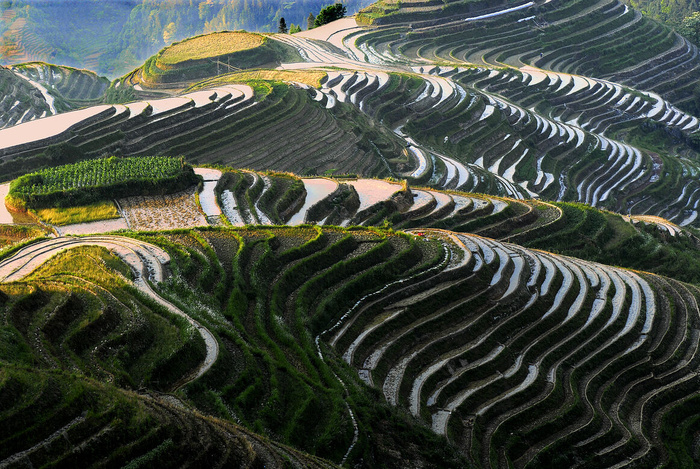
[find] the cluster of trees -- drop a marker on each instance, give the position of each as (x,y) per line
(690,27)
(683,15)
(293,28)
(668,11)
(325,16)
(330,13)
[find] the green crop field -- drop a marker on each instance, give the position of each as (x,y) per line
(94,180)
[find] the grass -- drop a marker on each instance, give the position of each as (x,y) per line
(308,77)
(105,210)
(209,46)
(11,234)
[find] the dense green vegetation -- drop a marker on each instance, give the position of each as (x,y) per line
(273,290)
(672,12)
(76,343)
(90,181)
(330,13)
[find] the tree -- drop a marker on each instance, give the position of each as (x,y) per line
(282,27)
(293,28)
(169,33)
(690,27)
(330,13)
(310,21)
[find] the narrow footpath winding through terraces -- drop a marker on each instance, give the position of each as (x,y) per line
(146,262)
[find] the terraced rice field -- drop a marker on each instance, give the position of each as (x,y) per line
(26,96)
(213,127)
(76,86)
(207,198)
(65,299)
(44,129)
(518,132)
(316,191)
(492,331)
(21,101)
(500,380)
(478,338)
(516,325)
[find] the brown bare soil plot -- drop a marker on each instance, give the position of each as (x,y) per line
(165,212)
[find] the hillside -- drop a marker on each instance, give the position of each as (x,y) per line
(93,355)
(437,234)
(209,55)
(78,87)
(34,90)
(288,306)
(518,133)
(113,38)
(21,101)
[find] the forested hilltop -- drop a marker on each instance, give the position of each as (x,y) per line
(113,37)
(683,15)
(671,11)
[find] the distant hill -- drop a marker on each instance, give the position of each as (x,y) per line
(114,37)
(203,56)
(82,34)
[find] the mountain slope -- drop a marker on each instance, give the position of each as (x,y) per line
(112,38)
(489,333)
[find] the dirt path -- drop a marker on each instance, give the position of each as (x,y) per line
(94,227)
(145,260)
